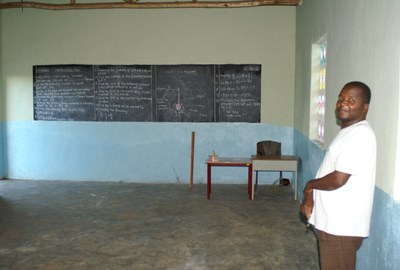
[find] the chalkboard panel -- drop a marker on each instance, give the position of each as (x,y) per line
(64,93)
(163,93)
(124,93)
(185,93)
(239,93)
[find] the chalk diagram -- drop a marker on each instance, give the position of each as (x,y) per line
(178,102)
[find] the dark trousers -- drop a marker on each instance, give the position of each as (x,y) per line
(338,252)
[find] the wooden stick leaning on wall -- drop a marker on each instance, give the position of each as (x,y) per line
(132,4)
(192,161)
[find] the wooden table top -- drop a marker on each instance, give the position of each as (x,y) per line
(238,160)
(231,160)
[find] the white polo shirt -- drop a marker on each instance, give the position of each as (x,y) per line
(347,210)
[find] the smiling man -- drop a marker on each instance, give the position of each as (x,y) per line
(339,201)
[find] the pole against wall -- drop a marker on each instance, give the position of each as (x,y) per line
(192,161)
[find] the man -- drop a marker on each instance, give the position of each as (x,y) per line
(339,201)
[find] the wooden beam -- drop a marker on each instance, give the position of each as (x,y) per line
(132,4)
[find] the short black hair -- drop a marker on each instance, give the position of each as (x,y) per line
(365,91)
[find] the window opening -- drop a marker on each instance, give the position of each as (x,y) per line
(318,91)
(321,95)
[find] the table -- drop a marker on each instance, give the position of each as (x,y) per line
(274,163)
(235,162)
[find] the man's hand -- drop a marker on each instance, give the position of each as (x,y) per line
(307,205)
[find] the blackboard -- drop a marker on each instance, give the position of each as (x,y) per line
(147,93)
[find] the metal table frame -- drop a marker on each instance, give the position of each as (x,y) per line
(274,163)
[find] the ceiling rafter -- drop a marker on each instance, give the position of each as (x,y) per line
(136,4)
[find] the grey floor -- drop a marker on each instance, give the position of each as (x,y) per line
(118,225)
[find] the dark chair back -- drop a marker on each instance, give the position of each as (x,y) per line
(269,148)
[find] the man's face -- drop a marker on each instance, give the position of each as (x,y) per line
(350,106)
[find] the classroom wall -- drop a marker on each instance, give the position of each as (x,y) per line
(142,152)
(363,44)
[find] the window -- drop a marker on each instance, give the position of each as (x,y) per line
(321,94)
(317,92)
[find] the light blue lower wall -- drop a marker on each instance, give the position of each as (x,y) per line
(136,152)
(382,249)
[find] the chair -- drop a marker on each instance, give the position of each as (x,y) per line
(268,148)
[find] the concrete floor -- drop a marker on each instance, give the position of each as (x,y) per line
(118,225)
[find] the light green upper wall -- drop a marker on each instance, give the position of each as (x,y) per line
(261,35)
(363,44)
